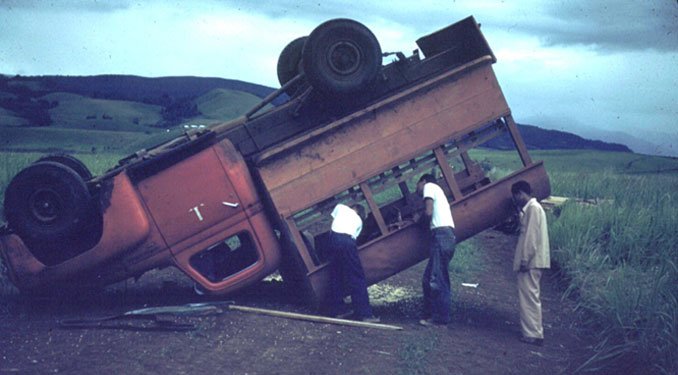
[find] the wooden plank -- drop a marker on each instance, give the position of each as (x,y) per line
(484,61)
(299,242)
(313,318)
(374,208)
(430,109)
(448,173)
(467,161)
(518,140)
(307,173)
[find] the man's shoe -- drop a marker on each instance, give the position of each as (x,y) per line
(532,340)
(371,319)
(344,315)
(430,323)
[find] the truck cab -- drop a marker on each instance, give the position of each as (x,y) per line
(195,208)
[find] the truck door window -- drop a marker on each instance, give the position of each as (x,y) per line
(226,258)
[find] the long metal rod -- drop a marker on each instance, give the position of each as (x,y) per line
(273,95)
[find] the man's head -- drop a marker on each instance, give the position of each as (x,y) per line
(426,178)
(359,209)
(522,192)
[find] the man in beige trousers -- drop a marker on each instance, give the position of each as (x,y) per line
(530,259)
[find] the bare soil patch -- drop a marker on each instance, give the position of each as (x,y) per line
(481,339)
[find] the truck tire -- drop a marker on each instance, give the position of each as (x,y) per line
(71,162)
(48,205)
(289,66)
(341,57)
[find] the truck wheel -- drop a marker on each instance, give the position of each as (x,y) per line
(48,205)
(341,57)
(76,165)
(289,66)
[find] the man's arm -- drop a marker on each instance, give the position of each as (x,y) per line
(425,220)
(429,207)
(532,237)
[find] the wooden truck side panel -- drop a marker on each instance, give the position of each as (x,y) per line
(311,169)
(386,133)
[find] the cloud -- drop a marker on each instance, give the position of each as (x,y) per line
(607,64)
(65,5)
(606,25)
(611,25)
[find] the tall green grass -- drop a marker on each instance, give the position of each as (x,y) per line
(620,258)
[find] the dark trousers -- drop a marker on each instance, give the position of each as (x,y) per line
(436,280)
(347,276)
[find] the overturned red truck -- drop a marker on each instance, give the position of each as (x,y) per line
(233,203)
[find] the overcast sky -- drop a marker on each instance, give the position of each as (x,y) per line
(584,66)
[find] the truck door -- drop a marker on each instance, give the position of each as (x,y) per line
(189,198)
(207,210)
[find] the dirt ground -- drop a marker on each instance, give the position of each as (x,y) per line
(481,339)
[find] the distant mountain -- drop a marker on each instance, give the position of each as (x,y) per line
(541,139)
(652,143)
(137,89)
(139,104)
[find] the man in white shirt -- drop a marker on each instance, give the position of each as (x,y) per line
(346,271)
(531,257)
(436,280)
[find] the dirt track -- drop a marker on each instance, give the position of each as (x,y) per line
(482,338)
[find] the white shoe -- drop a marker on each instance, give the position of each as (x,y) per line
(371,319)
(430,323)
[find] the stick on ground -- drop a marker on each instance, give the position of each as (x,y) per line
(314,318)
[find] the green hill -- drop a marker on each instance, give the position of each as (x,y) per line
(224,104)
(9,118)
(541,139)
(113,114)
(79,112)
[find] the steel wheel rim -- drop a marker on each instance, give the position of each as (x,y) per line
(45,205)
(344,58)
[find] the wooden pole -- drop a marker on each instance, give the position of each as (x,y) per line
(314,318)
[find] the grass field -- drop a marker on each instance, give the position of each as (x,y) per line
(619,257)
(78,141)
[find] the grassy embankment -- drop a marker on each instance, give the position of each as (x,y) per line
(619,256)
